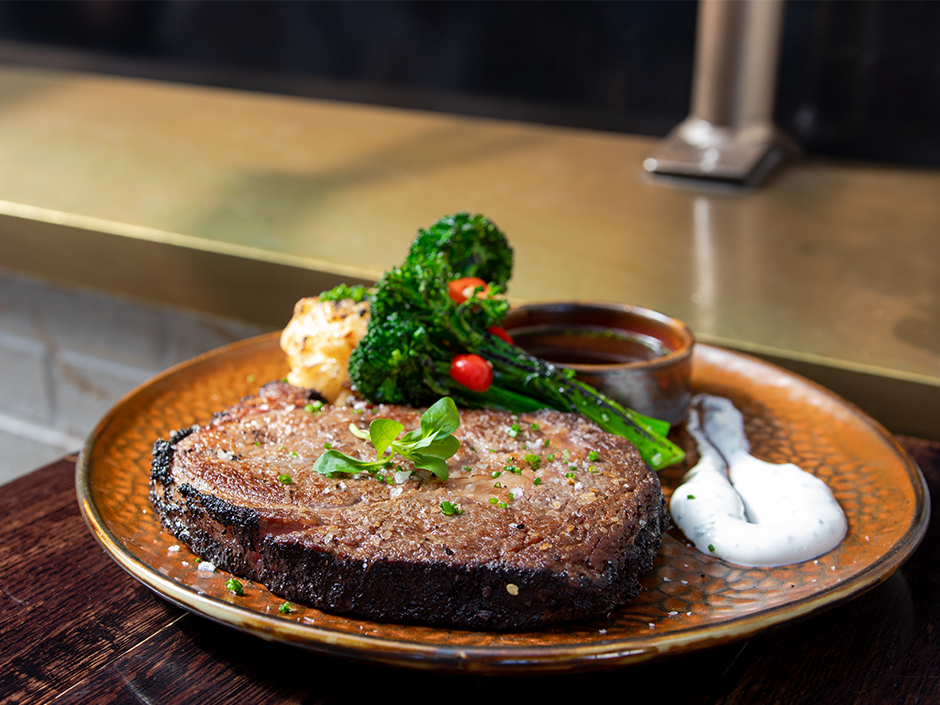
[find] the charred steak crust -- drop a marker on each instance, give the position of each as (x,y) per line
(572,547)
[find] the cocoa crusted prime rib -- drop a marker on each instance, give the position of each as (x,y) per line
(565,541)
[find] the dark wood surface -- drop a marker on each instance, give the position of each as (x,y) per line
(74,628)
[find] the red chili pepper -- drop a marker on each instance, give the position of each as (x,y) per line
(461,289)
(472,371)
(500,333)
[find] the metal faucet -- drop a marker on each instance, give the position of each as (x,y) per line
(730,136)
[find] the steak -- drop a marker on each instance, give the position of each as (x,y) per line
(556,519)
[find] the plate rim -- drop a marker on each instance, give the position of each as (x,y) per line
(502,659)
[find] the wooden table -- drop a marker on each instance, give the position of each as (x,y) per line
(75,628)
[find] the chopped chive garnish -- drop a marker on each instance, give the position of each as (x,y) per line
(691,496)
(493,500)
(286,608)
(535,427)
(711,548)
(514,430)
(537,481)
(285,479)
(592,455)
(235,587)
(450,509)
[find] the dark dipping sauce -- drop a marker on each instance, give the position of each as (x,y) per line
(588,345)
(638,356)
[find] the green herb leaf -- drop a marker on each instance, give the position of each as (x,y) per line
(383,432)
(441,418)
(335,462)
(234,586)
(432,464)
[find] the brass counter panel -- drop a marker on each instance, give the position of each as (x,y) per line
(239,203)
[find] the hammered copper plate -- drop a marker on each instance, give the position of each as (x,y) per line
(690,601)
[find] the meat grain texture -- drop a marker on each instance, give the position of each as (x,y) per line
(562,538)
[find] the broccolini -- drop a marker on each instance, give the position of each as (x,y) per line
(418,332)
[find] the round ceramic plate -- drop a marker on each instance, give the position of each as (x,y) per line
(689,601)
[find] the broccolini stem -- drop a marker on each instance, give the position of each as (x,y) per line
(532,379)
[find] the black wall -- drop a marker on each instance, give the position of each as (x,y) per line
(858,79)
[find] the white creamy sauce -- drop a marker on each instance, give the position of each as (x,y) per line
(745,510)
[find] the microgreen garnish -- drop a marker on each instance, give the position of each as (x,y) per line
(427,447)
(450,509)
(235,587)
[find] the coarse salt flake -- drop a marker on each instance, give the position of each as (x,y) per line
(206,567)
